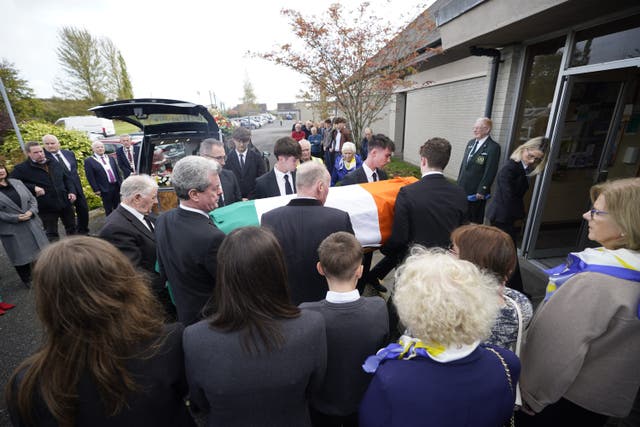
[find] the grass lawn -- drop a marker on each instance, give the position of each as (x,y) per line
(399,167)
(124,127)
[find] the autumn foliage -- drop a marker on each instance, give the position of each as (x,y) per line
(352,59)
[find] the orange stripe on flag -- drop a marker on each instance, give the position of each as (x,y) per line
(384,194)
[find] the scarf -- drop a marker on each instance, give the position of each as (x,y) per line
(408,348)
(620,263)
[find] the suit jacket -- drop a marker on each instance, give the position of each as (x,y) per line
(132,237)
(230,187)
(507,204)
(330,138)
(426,212)
(123,162)
(359,176)
(97,176)
(187,246)
(477,173)
(267,185)
(300,227)
(253,168)
(73,171)
(54,180)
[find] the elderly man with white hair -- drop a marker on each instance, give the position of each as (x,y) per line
(104,177)
(187,240)
(131,229)
(305,147)
(301,226)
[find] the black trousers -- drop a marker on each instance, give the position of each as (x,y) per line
(111,198)
(50,222)
(82,214)
(318,419)
(476,211)
(24,271)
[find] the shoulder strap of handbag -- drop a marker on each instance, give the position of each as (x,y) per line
(518,342)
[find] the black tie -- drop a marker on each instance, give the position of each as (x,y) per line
(147,219)
(241,161)
(64,165)
(374,176)
(287,185)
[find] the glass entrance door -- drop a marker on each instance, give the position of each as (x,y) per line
(594,138)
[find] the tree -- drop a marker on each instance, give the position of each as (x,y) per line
(94,68)
(249,97)
(22,98)
(118,83)
(352,57)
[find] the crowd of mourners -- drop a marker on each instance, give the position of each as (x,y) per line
(168,321)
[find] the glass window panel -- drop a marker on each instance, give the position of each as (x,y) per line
(609,42)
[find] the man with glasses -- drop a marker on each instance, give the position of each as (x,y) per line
(213,149)
(246,164)
(478,168)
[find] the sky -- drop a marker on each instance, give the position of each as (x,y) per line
(191,50)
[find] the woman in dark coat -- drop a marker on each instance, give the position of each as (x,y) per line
(21,230)
(512,183)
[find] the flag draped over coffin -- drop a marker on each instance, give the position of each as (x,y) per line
(370,207)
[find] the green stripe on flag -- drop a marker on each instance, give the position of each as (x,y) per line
(239,214)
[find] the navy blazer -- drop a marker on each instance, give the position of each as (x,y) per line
(507,204)
(123,162)
(300,227)
(478,172)
(73,172)
(267,185)
(359,176)
(97,176)
(254,167)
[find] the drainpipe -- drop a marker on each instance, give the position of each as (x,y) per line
(493,77)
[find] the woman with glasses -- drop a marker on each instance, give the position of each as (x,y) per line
(580,357)
(506,210)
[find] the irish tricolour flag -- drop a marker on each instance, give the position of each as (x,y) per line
(370,207)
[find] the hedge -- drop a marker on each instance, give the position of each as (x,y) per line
(76,141)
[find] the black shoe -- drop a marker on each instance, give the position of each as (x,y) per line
(378,286)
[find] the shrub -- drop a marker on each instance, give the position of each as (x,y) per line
(71,140)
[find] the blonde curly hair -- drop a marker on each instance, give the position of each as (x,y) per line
(444,300)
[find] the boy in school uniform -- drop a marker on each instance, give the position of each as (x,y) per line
(356,328)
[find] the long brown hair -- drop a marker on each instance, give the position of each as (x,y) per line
(251,292)
(97,312)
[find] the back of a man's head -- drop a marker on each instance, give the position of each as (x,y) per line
(307,175)
(340,255)
(437,151)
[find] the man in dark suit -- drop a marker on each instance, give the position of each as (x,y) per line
(301,226)
(478,168)
(333,140)
(130,228)
(426,212)
(281,180)
(67,159)
(128,156)
(213,149)
(104,177)
(246,164)
(380,151)
(186,238)
(53,189)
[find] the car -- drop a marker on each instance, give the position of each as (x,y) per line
(170,130)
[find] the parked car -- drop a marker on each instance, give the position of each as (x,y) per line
(94,127)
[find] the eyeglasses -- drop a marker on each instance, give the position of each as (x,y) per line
(596,212)
(217,158)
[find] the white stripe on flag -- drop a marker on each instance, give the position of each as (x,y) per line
(265,205)
(362,211)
